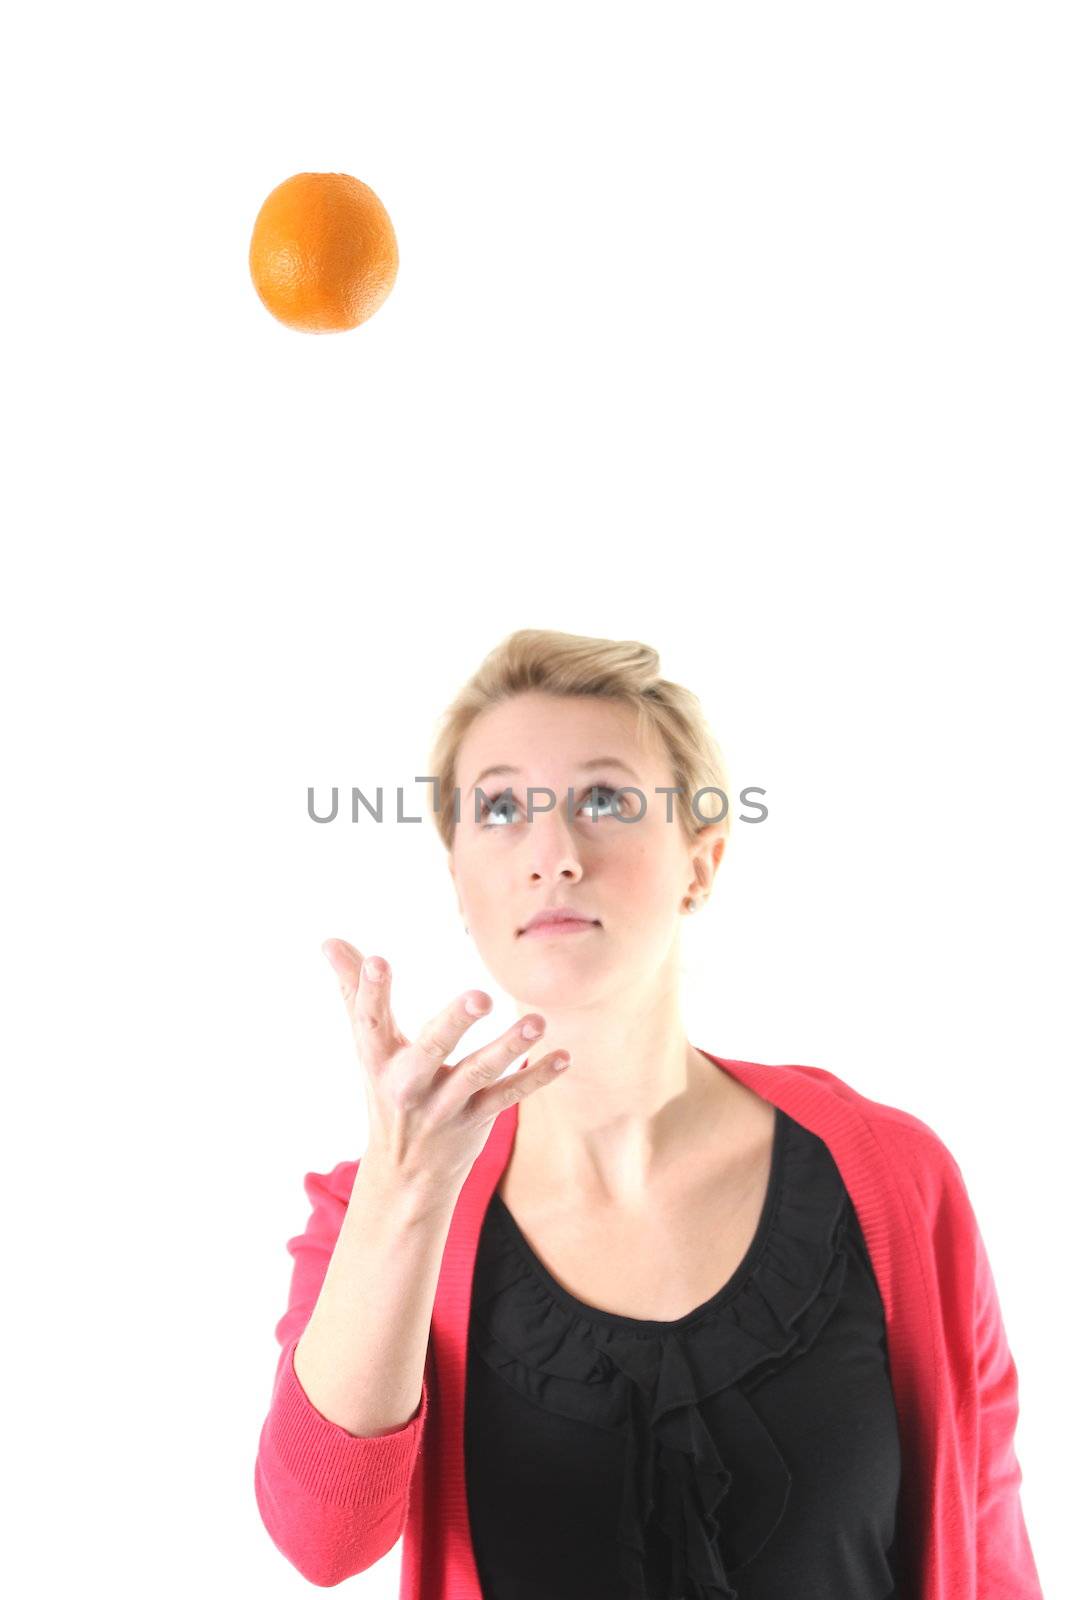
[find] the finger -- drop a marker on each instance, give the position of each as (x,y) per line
(487,1104)
(484,1066)
(346,962)
(441,1035)
(367,1001)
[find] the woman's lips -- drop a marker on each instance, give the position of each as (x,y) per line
(549,930)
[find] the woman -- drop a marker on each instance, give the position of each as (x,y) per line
(679,1327)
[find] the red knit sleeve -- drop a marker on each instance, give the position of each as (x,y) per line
(1005,1560)
(333,1502)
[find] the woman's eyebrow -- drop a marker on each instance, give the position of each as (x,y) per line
(583,766)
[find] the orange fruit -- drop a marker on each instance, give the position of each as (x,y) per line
(323,255)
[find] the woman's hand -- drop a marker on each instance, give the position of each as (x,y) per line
(429,1122)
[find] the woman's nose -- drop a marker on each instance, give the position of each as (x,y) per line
(553,852)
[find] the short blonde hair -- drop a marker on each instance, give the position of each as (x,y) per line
(565,664)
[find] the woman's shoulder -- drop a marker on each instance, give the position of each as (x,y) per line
(330,1190)
(881,1112)
(825,1102)
(879,1147)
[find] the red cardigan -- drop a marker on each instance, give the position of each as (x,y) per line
(334,1502)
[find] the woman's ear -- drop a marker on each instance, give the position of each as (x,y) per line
(706,856)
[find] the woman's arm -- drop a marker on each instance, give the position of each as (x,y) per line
(1005,1560)
(332,1484)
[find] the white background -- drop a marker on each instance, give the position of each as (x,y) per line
(736,330)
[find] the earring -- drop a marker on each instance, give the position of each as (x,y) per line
(690,903)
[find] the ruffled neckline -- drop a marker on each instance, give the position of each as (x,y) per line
(678,1387)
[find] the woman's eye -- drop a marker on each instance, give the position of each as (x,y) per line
(491,813)
(599,788)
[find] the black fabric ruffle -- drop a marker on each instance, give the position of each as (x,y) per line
(679,1390)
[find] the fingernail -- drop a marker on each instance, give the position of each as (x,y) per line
(374,970)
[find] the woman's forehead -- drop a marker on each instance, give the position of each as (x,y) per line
(533,728)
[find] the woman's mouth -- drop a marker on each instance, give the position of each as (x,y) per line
(558,928)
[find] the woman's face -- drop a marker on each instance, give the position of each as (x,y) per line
(509,861)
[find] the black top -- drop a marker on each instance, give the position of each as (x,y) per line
(746,1451)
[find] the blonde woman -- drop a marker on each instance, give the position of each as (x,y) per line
(663,1324)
